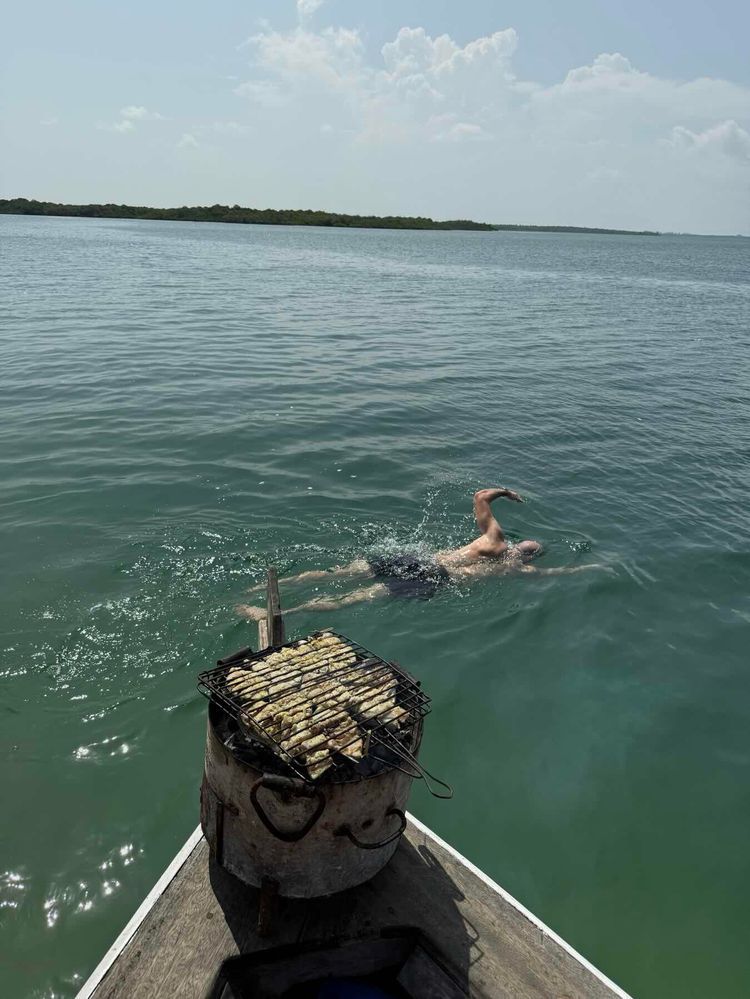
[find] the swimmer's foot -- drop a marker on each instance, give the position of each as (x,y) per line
(252,613)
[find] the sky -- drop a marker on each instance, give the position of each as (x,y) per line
(617,113)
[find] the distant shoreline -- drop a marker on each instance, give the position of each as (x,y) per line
(271,216)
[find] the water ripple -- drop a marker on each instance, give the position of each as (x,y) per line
(185,404)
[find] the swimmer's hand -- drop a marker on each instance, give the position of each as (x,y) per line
(490,495)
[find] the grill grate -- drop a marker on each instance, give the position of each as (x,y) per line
(367,702)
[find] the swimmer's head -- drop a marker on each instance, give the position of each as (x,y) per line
(528,550)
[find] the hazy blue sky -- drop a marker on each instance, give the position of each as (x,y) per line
(629,114)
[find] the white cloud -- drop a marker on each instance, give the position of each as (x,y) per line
(445,128)
(134,113)
(129,116)
(332,56)
(427,74)
(727,137)
(413,52)
(187,141)
(602,127)
(609,70)
(47,122)
(613,95)
(423,76)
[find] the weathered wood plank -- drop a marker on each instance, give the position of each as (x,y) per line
(262,636)
(488,946)
(270,628)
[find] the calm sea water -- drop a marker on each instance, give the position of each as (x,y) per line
(183,404)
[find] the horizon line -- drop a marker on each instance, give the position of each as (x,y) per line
(316,218)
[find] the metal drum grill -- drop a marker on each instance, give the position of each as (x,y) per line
(355,712)
(311,750)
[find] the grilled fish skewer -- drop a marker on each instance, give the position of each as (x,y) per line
(301,661)
(251,684)
(316,699)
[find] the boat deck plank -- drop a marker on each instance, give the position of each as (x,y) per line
(490,948)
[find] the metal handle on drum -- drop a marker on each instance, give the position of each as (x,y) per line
(346,831)
(274,782)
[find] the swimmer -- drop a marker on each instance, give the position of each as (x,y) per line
(420,577)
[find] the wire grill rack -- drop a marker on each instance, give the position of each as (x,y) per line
(388,724)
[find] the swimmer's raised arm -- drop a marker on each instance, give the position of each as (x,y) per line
(496,492)
(488,525)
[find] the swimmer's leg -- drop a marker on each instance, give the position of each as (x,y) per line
(359,567)
(321,603)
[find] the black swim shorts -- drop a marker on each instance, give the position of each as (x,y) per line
(409,576)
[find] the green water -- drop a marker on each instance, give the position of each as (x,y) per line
(183,404)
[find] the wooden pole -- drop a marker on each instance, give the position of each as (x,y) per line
(274,619)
